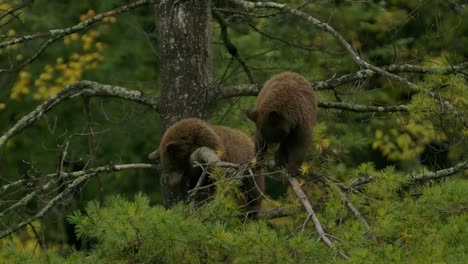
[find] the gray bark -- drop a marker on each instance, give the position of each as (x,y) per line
(187,87)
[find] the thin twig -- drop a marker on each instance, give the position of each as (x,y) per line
(67,31)
(231,48)
(92,146)
(318,227)
(413,178)
(80,176)
(79,88)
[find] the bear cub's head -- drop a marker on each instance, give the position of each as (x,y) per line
(272,125)
(174,158)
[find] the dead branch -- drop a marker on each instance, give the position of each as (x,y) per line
(438,174)
(311,214)
(413,178)
(67,31)
(277,212)
(325,26)
(86,88)
(32,58)
(231,48)
(252,90)
(347,202)
(363,108)
(78,178)
(355,56)
(11,12)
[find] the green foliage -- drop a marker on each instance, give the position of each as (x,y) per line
(424,223)
(428,226)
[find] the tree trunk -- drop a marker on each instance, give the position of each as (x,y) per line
(187,89)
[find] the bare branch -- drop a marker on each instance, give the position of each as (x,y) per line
(329,29)
(311,214)
(440,173)
(86,88)
(251,90)
(81,176)
(12,11)
(360,61)
(346,202)
(67,31)
(231,48)
(277,212)
(32,58)
(363,108)
(394,68)
(413,178)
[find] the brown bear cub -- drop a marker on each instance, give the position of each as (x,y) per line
(185,136)
(285,113)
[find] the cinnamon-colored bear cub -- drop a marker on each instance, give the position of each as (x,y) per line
(185,136)
(285,113)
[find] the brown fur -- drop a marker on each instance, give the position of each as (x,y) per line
(185,136)
(285,113)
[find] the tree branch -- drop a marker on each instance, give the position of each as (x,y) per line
(67,31)
(361,62)
(86,88)
(363,108)
(251,90)
(439,174)
(80,176)
(12,11)
(394,68)
(32,58)
(231,48)
(413,178)
(311,214)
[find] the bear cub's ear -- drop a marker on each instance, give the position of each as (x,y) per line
(173,148)
(275,117)
(251,114)
(154,155)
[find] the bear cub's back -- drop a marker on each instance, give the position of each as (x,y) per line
(290,94)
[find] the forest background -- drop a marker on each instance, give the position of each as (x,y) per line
(386,175)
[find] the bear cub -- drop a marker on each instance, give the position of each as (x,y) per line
(185,136)
(285,113)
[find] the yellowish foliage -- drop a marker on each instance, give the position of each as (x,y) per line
(253,161)
(407,142)
(66,70)
(219,153)
(304,169)
(21,86)
(24,241)
(2,106)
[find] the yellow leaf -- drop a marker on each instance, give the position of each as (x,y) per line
(378,134)
(304,169)
(219,152)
